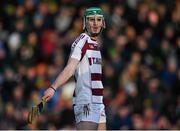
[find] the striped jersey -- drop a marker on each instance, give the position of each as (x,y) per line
(88,87)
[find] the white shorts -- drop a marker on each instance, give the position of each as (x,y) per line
(90,112)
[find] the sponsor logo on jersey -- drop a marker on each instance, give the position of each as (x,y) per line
(93,60)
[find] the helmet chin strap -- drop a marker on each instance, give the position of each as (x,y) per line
(93,34)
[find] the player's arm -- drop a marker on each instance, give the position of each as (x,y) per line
(62,78)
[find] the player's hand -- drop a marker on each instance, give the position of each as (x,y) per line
(48,94)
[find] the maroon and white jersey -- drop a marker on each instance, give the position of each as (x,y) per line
(88,87)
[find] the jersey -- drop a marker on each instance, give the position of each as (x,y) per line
(88,87)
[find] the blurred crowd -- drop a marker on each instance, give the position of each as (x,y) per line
(141,61)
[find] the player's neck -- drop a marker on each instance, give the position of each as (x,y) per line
(94,38)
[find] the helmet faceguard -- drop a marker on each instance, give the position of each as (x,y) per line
(93,11)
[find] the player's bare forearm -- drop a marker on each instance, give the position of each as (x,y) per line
(61,79)
(66,73)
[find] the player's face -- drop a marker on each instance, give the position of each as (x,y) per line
(95,24)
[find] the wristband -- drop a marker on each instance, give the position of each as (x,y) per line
(52,88)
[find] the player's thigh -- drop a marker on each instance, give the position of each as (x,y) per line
(102,126)
(86,125)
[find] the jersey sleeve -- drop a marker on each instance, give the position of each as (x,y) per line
(76,48)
